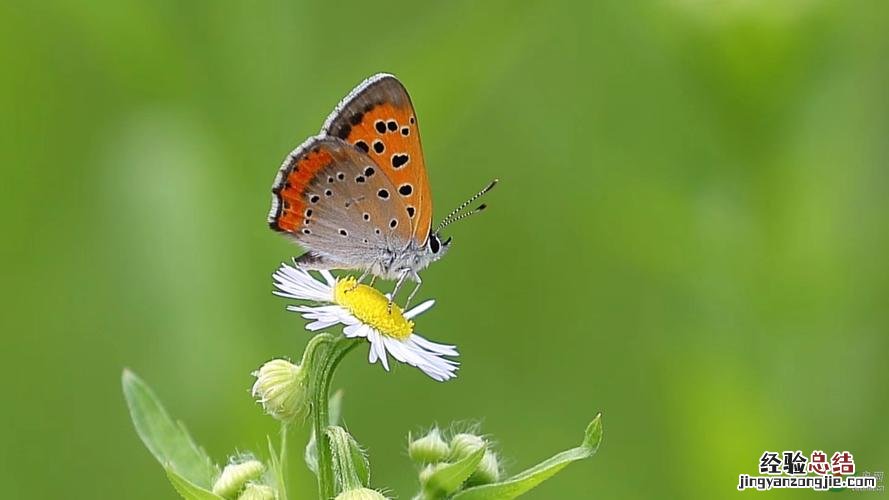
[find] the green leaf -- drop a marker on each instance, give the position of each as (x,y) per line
(350,464)
(362,463)
(448,477)
(187,489)
(167,440)
(277,463)
(335,409)
(524,481)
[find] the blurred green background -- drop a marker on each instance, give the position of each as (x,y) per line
(690,235)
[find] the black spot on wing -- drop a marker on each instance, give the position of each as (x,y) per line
(400,160)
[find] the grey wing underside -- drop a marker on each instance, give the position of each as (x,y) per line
(351,226)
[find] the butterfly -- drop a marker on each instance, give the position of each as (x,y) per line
(356,196)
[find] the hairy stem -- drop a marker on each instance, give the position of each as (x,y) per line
(327,358)
(282,462)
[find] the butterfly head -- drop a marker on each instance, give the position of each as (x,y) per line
(436,247)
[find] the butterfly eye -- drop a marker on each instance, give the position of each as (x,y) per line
(434,244)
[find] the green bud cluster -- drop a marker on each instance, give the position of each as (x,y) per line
(488,470)
(239,475)
(447,466)
(360,494)
(256,491)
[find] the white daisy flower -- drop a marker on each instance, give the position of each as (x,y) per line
(365,313)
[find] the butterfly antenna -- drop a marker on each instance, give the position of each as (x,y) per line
(462,216)
(450,218)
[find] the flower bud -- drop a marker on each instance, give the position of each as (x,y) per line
(488,470)
(429,448)
(360,494)
(281,388)
(236,475)
(256,491)
(463,445)
(428,471)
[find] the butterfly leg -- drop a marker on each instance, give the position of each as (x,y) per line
(410,297)
(398,284)
(360,279)
(363,275)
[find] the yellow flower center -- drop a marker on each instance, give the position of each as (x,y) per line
(372,308)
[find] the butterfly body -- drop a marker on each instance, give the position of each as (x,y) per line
(357,195)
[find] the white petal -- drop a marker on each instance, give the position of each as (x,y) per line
(356,330)
(377,343)
(419,309)
(443,349)
(328,277)
(328,314)
(348,319)
(320,325)
(296,283)
(430,363)
(328,309)
(395,348)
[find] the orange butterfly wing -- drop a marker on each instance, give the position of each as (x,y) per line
(379,119)
(289,204)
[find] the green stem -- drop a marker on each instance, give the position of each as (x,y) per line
(282,462)
(327,357)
